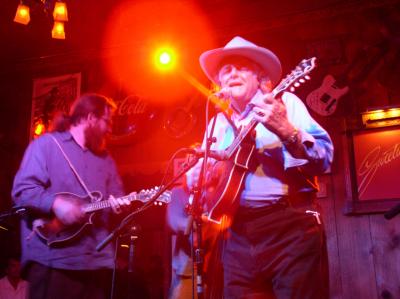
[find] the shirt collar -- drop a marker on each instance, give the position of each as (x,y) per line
(65,136)
(237,115)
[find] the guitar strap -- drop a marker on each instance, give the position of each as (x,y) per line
(230,121)
(92,198)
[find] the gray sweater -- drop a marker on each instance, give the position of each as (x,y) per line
(43,173)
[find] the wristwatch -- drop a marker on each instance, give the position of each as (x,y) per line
(292,139)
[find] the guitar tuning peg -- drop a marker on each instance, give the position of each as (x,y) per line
(296,84)
(302,80)
(307,77)
(292,89)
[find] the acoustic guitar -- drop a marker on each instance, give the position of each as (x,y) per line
(55,233)
(222,197)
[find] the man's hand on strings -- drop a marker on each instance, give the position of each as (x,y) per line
(67,210)
(271,112)
(119,204)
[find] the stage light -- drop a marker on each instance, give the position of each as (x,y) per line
(387,116)
(39,128)
(58,30)
(22,15)
(165,59)
(60,12)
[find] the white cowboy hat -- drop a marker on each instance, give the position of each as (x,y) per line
(238,46)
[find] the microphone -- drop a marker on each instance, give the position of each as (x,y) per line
(217,155)
(221,99)
(19,211)
(14,212)
(223,94)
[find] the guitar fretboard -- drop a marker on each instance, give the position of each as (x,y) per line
(96,206)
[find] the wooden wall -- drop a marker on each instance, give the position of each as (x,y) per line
(364,250)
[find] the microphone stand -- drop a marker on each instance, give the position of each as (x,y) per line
(133,235)
(11,214)
(197,213)
(128,219)
(197,210)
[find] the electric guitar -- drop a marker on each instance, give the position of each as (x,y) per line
(324,99)
(221,196)
(55,233)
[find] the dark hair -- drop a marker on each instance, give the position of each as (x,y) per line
(81,108)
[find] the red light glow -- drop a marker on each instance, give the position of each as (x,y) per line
(136,30)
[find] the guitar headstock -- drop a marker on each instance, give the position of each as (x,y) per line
(296,76)
(165,197)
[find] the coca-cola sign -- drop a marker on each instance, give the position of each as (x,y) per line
(133,112)
(132,105)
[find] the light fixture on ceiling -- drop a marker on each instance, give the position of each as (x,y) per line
(60,12)
(58,30)
(22,15)
(60,15)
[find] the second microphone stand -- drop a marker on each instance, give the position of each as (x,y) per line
(196,213)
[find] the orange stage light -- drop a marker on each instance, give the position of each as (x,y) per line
(179,30)
(39,129)
(60,12)
(389,116)
(58,30)
(165,59)
(22,15)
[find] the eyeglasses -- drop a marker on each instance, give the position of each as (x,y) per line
(107,120)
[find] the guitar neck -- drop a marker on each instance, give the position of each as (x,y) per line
(104,204)
(242,135)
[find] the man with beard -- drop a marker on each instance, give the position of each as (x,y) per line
(72,159)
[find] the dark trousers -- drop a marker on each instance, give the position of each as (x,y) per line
(50,283)
(275,252)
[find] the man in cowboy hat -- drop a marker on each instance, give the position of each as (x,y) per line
(275,247)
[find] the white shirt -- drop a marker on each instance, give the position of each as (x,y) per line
(7,291)
(269,180)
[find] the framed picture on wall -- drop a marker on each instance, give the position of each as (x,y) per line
(51,95)
(373,170)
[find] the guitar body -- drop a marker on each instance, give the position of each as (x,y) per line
(227,177)
(54,232)
(324,99)
(226,183)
